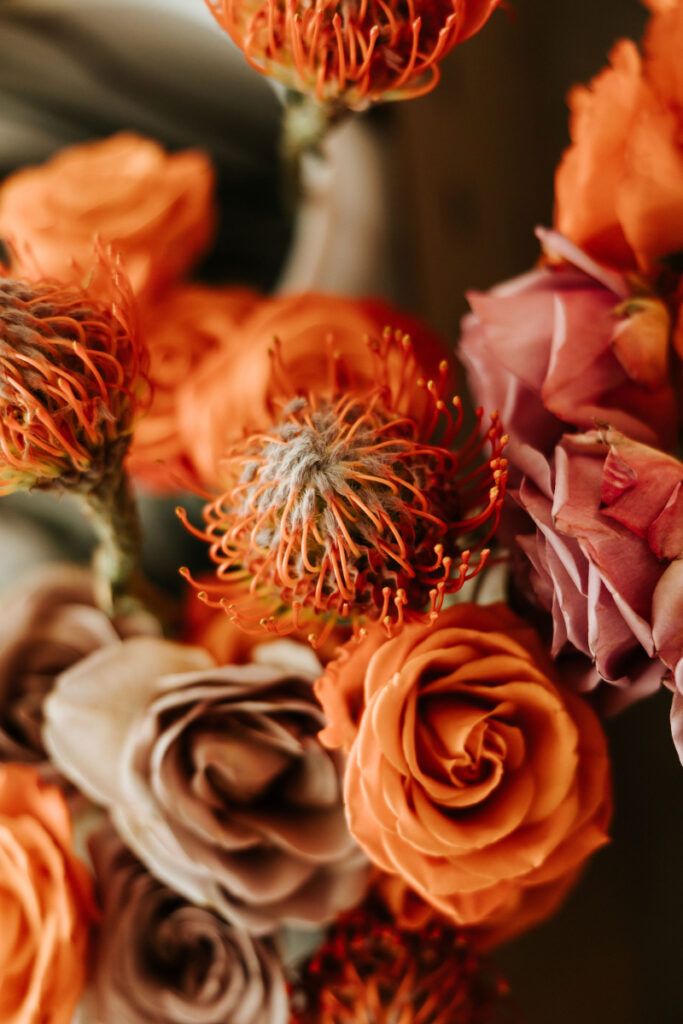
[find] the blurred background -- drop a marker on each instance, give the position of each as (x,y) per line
(420,201)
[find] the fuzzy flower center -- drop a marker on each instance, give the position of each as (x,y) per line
(339,481)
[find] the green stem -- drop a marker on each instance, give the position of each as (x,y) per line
(112,510)
(305,126)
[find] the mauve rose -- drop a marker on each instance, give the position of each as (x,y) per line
(162,960)
(607,557)
(48,622)
(214,776)
(567,345)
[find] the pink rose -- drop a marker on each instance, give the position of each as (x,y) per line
(607,556)
(568,345)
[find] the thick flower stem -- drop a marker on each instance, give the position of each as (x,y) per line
(305,126)
(113,513)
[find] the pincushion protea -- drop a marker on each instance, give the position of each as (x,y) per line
(351,52)
(368,971)
(355,505)
(72,381)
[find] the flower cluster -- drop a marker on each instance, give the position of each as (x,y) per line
(436,783)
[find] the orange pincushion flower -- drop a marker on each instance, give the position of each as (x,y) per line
(232,391)
(72,381)
(369,970)
(350,508)
(211,629)
(351,53)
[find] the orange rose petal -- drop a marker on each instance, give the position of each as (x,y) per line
(436,745)
(649,199)
(155,208)
(427,723)
(663,46)
(589,176)
(46,903)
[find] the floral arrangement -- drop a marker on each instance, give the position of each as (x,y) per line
(366,746)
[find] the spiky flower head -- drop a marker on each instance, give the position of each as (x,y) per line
(355,505)
(351,52)
(72,380)
(371,972)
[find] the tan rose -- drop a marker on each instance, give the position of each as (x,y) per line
(162,960)
(214,776)
(48,622)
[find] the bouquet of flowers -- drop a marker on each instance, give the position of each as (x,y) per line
(359,745)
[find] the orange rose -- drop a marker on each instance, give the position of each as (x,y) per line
(619,188)
(232,392)
(473,775)
(156,209)
(525,908)
(188,324)
(45,903)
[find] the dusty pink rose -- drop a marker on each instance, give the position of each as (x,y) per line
(162,960)
(607,557)
(215,777)
(47,623)
(567,345)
